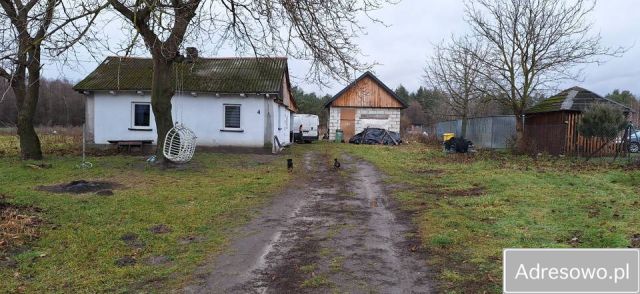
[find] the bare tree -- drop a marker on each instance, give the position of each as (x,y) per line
(455,69)
(532,45)
(319,31)
(415,113)
(26,30)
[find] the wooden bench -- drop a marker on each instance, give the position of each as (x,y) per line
(128,144)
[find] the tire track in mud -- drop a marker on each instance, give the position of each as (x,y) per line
(335,232)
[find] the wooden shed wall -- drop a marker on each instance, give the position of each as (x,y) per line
(546,132)
(557,133)
(375,97)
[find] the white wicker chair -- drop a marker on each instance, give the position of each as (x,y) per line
(179,144)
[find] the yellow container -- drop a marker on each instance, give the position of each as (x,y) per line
(447,136)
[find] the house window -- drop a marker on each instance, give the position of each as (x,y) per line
(141,115)
(232,116)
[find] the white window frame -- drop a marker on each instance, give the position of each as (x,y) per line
(224,117)
(133,116)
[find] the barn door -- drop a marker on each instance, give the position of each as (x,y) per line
(348,122)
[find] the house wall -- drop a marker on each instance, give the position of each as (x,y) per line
(384,118)
(89,121)
(204,114)
(334,121)
(282,123)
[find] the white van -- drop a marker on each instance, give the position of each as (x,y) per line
(308,124)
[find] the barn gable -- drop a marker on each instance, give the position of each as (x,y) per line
(366,91)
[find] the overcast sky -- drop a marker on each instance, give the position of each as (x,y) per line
(402,47)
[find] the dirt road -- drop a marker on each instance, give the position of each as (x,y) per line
(336,232)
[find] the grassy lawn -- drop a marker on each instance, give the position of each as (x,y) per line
(58,141)
(469,209)
(466,208)
(81,236)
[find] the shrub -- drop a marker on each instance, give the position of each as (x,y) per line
(602,121)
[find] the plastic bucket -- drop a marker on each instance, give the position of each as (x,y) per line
(447,136)
(338,136)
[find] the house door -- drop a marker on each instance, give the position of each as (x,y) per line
(348,122)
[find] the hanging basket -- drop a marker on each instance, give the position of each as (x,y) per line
(179,144)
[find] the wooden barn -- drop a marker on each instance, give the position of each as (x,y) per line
(552,125)
(365,103)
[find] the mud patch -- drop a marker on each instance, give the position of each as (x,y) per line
(345,237)
(285,277)
(442,192)
(81,187)
(160,229)
(18,225)
(191,239)
(192,166)
(635,165)
(475,191)
(428,171)
(186,240)
(106,192)
(132,240)
(593,210)
(125,261)
(157,260)
(574,240)
(635,241)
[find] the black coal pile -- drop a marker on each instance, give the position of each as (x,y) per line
(458,144)
(79,187)
(373,136)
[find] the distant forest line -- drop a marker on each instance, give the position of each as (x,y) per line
(60,105)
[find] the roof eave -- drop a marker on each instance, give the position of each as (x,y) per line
(185,90)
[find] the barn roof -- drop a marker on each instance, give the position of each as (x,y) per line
(216,75)
(573,99)
(376,80)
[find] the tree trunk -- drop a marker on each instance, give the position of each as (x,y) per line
(27,91)
(463,129)
(520,139)
(29,141)
(161,93)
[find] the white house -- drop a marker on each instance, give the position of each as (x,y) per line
(365,103)
(227,102)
